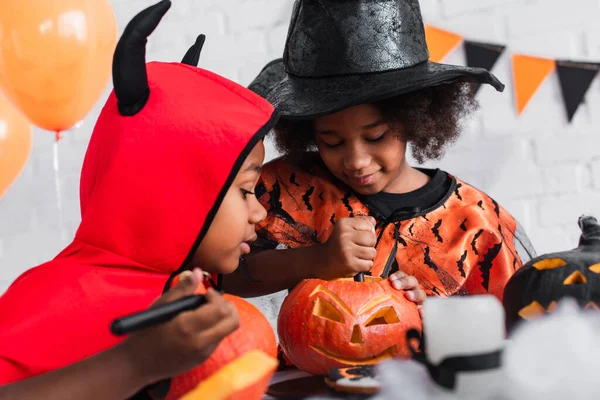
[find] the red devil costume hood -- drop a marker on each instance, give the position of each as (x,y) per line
(165,149)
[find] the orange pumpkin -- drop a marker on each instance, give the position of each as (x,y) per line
(254,333)
(245,378)
(330,324)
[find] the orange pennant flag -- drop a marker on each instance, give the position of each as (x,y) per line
(528,75)
(440,42)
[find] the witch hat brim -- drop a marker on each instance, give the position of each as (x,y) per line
(307,98)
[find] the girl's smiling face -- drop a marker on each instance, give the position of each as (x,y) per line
(360,148)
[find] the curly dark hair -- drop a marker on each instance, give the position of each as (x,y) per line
(430,118)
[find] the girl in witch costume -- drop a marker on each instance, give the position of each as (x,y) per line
(167,185)
(354,88)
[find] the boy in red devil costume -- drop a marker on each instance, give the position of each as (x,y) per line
(167,185)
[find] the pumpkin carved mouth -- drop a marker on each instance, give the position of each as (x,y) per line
(535,309)
(387,353)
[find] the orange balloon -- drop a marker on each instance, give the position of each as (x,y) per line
(56,57)
(15,144)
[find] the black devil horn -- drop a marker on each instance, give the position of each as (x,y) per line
(130,80)
(590,231)
(193,54)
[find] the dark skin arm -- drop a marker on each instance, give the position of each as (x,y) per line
(108,375)
(143,358)
(260,273)
(349,250)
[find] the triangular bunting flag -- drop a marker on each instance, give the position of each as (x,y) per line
(440,42)
(575,80)
(482,55)
(528,74)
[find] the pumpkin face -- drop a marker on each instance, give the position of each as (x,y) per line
(539,285)
(254,333)
(329,324)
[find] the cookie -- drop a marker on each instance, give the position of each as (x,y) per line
(360,379)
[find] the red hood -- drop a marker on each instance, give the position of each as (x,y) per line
(151,184)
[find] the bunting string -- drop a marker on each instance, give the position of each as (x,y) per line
(529,72)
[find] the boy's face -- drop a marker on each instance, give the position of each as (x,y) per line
(233,227)
(360,149)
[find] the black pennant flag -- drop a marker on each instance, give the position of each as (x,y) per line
(575,80)
(482,55)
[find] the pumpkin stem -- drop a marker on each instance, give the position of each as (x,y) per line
(590,230)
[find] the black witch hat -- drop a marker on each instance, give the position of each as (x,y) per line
(341,53)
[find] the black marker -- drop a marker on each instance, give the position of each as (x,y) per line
(156,315)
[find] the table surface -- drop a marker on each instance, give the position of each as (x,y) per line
(281,376)
(288,375)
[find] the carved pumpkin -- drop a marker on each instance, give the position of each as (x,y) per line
(535,289)
(329,324)
(254,333)
(245,378)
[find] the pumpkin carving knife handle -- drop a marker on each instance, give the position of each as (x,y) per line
(156,315)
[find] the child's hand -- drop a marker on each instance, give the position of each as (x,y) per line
(350,248)
(184,342)
(413,292)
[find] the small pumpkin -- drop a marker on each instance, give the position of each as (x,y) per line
(536,288)
(254,333)
(245,378)
(341,323)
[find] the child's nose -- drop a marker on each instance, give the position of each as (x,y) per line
(257,212)
(355,161)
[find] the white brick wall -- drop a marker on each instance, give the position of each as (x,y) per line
(543,170)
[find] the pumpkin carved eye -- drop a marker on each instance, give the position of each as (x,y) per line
(383,316)
(325,309)
(549,263)
(595,268)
